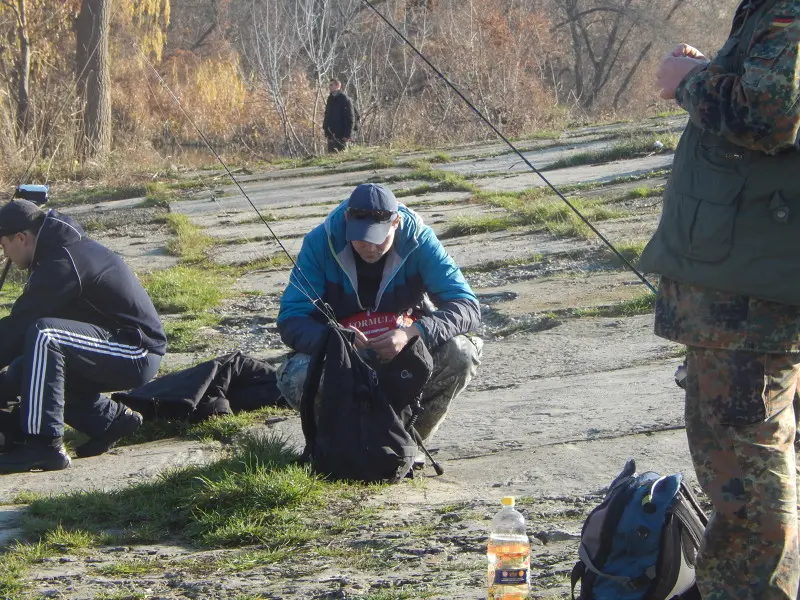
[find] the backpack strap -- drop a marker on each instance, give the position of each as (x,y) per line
(310,389)
(691,499)
(578,571)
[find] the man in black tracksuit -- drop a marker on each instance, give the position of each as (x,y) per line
(83,325)
(339,118)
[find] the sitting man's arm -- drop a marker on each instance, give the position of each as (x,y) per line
(49,287)
(458,310)
(301,324)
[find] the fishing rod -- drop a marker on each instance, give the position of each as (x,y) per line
(316,301)
(574,209)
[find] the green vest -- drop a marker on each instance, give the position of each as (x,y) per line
(731,216)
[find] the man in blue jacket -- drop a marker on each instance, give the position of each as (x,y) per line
(83,325)
(384,275)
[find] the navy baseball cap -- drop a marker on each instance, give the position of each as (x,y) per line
(371,210)
(18,215)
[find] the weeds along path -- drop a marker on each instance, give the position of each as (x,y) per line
(573,383)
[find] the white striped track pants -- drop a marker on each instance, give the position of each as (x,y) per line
(65,366)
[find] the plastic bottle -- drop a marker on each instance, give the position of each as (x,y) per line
(509,553)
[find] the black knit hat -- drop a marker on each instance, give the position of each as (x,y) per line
(19,215)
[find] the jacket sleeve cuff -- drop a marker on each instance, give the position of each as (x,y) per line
(680,92)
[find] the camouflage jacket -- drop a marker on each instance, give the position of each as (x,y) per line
(727,245)
(756,109)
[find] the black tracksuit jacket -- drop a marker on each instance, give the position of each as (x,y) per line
(73,277)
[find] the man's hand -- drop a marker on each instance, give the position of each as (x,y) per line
(389,344)
(361,340)
(675,67)
(687,50)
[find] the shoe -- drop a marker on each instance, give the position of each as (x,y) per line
(37,453)
(125,423)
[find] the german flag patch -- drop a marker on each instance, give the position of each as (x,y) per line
(782,21)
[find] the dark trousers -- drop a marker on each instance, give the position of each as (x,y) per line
(64,367)
(336,144)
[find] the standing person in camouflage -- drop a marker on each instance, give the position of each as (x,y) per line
(728,251)
(385,276)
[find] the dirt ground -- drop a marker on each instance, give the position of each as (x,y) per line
(563,397)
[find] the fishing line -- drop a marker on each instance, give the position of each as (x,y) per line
(225,212)
(510,145)
(318,302)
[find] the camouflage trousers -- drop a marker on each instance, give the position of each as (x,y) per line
(454,364)
(741,423)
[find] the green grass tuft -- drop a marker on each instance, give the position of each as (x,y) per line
(419,190)
(123,593)
(442,181)
(256,496)
(636,145)
(533,208)
(250,559)
(495,265)
(131,568)
(186,288)
(631,251)
(640,305)
(158,194)
(14,564)
(185,334)
(399,594)
(266,263)
(644,192)
(190,243)
(441,157)
(98,194)
(471,225)
(543,135)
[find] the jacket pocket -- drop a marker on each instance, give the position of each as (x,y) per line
(703,204)
(759,63)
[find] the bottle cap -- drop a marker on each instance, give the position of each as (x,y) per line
(507,501)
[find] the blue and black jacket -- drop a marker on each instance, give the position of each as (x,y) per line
(73,277)
(417,265)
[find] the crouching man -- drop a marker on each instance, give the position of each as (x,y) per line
(388,278)
(83,325)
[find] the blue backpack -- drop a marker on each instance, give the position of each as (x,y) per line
(641,542)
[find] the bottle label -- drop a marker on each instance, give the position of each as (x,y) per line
(510,576)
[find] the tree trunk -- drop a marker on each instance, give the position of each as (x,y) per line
(91,53)
(23,71)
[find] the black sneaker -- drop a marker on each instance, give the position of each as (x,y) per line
(36,454)
(125,423)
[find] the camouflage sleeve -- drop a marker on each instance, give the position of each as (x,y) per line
(758,109)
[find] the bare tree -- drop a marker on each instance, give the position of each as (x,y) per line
(22,68)
(93,77)
(642,56)
(319,25)
(273,55)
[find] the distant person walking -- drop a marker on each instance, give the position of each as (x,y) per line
(339,118)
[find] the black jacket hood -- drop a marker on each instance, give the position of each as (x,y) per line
(57,231)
